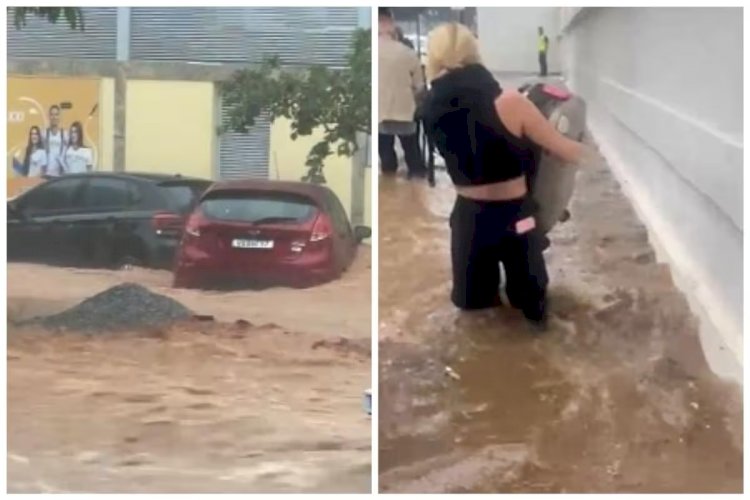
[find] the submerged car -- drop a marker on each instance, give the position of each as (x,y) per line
(109,220)
(259,232)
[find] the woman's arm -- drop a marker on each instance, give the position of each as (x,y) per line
(537,128)
(522,118)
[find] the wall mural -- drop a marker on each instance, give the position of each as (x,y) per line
(53,128)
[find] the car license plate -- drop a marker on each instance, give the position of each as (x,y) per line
(262,244)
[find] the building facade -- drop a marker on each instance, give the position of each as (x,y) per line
(143,81)
(664,93)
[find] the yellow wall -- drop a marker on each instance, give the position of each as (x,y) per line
(287,158)
(106,124)
(287,162)
(170,127)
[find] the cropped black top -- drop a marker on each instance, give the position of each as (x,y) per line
(459,114)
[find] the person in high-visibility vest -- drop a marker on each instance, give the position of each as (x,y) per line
(543,45)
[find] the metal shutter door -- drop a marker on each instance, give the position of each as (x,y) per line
(40,38)
(297,35)
(245,156)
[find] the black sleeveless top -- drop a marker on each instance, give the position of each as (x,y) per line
(460,116)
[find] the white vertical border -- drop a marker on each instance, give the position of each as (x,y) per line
(4,266)
(374,215)
(745,273)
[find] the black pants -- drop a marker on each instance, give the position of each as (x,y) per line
(543,63)
(484,236)
(387,152)
(426,151)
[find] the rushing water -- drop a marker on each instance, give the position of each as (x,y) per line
(616,397)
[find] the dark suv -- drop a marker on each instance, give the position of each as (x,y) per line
(102,219)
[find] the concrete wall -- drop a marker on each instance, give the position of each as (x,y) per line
(508,37)
(664,88)
(170,127)
(288,157)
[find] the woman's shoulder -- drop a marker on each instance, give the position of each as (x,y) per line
(510,95)
(509,107)
(509,101)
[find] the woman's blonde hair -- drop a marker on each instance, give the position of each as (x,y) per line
(450,46)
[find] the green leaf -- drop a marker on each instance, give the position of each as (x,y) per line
(73,15)
(312,98)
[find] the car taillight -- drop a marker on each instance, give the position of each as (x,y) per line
(322,229)
(166,223)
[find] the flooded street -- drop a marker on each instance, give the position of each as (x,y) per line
(615,397)
(269,404)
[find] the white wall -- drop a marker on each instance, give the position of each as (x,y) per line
(508,37)
(664,89)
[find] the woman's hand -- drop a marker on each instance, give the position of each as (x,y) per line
(537,128)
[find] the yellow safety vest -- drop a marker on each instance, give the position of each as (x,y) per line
(542,43)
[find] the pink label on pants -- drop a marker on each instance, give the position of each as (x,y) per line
(525,225)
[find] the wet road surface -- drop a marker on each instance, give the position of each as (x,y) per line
(615,397)
(272,404)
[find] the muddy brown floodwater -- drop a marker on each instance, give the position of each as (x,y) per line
(615,397)
(273,404)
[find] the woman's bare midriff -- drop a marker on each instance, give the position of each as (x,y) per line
(498,191)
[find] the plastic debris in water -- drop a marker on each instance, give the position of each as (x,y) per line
(367,402)
(452,373)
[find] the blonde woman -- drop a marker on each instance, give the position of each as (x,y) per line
(485,134)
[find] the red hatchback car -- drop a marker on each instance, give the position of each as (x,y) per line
(266,232)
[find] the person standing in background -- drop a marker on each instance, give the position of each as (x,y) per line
(543,46)
(35,159)
(401,85)
(55,142)
(77,159)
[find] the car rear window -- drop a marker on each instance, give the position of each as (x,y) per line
(182,197)
(258,207)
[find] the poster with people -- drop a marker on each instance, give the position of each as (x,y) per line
(53,127)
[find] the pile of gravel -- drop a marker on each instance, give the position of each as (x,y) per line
(123,307)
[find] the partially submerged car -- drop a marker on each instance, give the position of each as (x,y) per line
(110,220)
(260,232)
